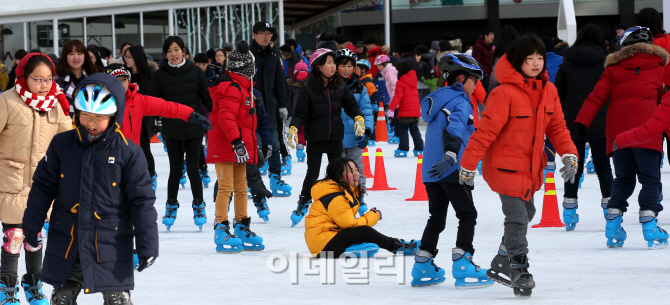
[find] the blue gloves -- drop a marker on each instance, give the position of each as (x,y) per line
(201,120)
(440,167)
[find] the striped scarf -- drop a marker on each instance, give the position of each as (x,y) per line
(40,103)
(71,87)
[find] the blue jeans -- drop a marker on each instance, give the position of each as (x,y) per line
(274,162)
(632,162)
(401,133)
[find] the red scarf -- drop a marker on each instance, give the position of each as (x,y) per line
(40,103)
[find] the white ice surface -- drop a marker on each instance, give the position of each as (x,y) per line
(569,267)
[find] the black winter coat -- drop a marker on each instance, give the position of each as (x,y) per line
(270,80)
(321,113)
(102,199)
(185,85)
(578,75)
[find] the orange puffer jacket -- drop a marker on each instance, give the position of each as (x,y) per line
(510,134)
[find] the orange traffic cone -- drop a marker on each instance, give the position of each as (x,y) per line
(380,130)
(550,218)
(154,139)
(419,188)
(380,183)
(366,164)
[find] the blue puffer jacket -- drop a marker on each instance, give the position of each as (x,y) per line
(446,107)
(103,204)
(363,99)
(553,63)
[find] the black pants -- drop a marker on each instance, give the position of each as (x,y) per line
(363,234)
(439,195)
(630,163)
(146,148)
(176,150)
(313,169)
(401,133)
(10,262)
(202,160)
(601,162)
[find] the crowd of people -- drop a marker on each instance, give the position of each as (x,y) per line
(76,158)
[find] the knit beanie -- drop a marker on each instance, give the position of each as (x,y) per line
(241,61)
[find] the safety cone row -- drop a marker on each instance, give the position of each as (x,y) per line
(550,218)
(366,164)
(381,133)
(420,193)
(380,183)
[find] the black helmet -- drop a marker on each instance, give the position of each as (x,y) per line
(636,34)
(451,63)
(117,70)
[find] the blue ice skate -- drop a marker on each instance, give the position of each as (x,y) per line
(160,138)
(262,209)
(279,187)
(264,168)
(206,180)
(603,204)
(417,152)
(656,237)
(182,180)
(199,215)
(479,167)
(154,181)
(570,216)
(250,241)
(361,250)
(615,234)
(171,207)
(400,153)
(424,271)
(393,139)
(33,289)
(463,268)
(372,143)
(581,179)
(8,292)
(302,210)
(590,168)
(226,242)
(300,152)
(286,166)
(389,129)
(551,167)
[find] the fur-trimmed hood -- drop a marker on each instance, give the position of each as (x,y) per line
(634,49)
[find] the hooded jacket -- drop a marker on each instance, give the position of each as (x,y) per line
(232,119)
(632,81)
(482,52)
(406,97)
(270,80)
(139,106)
(576,78)
(185,85)
(102,200)
(332,211)
(25,135)
(446,110)
(363,101)
(510,136)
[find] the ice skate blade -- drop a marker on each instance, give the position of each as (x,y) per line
(250,247)
(430,282)
(221,249)
(168,228)
(266,219)
(657,244)
(281,194)
(523,293)
(492,274)
(480,283)
(614,244)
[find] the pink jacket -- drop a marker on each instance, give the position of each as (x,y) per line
(390,74)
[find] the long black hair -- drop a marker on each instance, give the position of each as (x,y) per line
(319,83)
(336,171)
(142,65)
(651,18)
(98,60)
(589,33)
(505,38)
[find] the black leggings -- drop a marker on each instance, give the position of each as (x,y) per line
(601,163)
(176,150)
(202,159)
(313,169)
(10,262)
(146,148)
(363,234)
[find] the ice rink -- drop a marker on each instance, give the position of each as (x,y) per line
(568,267)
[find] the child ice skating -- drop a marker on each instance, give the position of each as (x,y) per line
(406,101)
(102,201)
(509,141)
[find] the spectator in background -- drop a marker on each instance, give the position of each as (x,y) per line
(18,55)
(122,50)
(213,64)
(507,35)
(560,46)
(483,50)
(75,65)
(456,43)
(289,60)
(615,45)
(94,53)
(296,48)
(202,61)
(552,60)
(373,52)
(361,51)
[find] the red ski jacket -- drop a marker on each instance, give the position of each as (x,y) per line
(407,97)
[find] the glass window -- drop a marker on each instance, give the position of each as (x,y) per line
(127,30)
(156,30)
(10,43)
(213,24)
(99,32)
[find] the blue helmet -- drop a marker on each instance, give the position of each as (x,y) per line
(363,62)
(96,99)
(636,34)
(451,63)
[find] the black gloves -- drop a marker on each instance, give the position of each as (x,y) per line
(581,130)
(201,120)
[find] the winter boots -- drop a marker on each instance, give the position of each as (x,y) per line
(570,216)
(171,207)
(300,152)
(250,241)
(399,153)
(199,216)
(224,240)
(302,210)
(424,271)
(117,297)
(279,187)
(8,291)
(32,286)
(656,237)
(286,166)
(463,268)
(615,234)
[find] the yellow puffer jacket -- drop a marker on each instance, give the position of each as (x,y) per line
(24,138)
(333,210)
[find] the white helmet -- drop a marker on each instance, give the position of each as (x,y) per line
(96,99)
